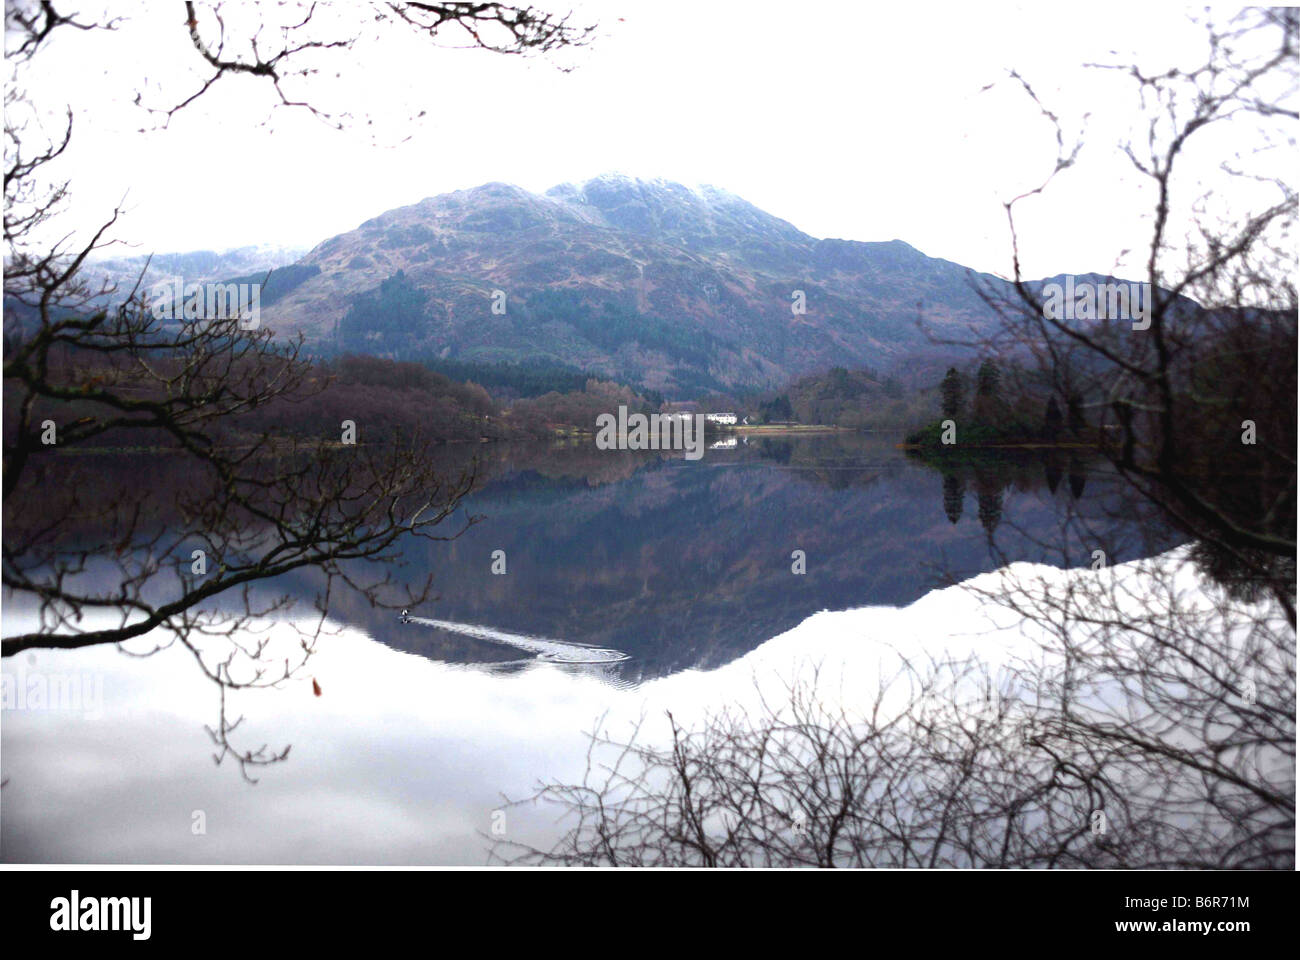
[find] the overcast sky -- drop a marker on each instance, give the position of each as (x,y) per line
(868,121)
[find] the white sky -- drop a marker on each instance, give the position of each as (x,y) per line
(857,120)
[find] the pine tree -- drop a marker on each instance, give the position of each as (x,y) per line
(988,383)
(1074,407)
(1052,419)
(950,392)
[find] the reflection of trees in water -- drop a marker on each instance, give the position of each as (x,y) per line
(1152,728)
(1077,477)
(776,448)
(990,510)
(1251,578)
(709,544)
(988,495)
(1122,741)
(72,505)
(992,474)
(167,549)
(954,495)
(682,565)
(1052,472)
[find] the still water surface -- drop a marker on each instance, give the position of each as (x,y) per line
(632,584)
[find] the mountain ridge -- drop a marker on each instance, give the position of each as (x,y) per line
(678,288)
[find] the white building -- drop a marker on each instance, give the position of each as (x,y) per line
(726,418)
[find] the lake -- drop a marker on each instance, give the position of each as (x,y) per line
(596,584)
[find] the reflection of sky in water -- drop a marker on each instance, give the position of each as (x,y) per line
(405,756)
(400,760)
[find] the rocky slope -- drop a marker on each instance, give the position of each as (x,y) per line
(651,282)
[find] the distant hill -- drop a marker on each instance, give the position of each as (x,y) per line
(194,266)
(122,274)
(678,289)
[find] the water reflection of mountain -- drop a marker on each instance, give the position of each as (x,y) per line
(689,564)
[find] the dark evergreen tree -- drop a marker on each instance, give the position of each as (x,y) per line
(387,319)
(950,392)
(778,410)
(988,382)
(1074,412)
(1052,419)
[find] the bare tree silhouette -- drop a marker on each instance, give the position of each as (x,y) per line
(186,547)
(1130,736)
(1193,400)
(1154,724)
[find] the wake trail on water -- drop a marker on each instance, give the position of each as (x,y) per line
(545,648)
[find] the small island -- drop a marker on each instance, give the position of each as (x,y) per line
(989,421)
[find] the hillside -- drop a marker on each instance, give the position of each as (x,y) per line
(650,282)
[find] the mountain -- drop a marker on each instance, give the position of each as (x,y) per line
(195,266)
(646,281)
